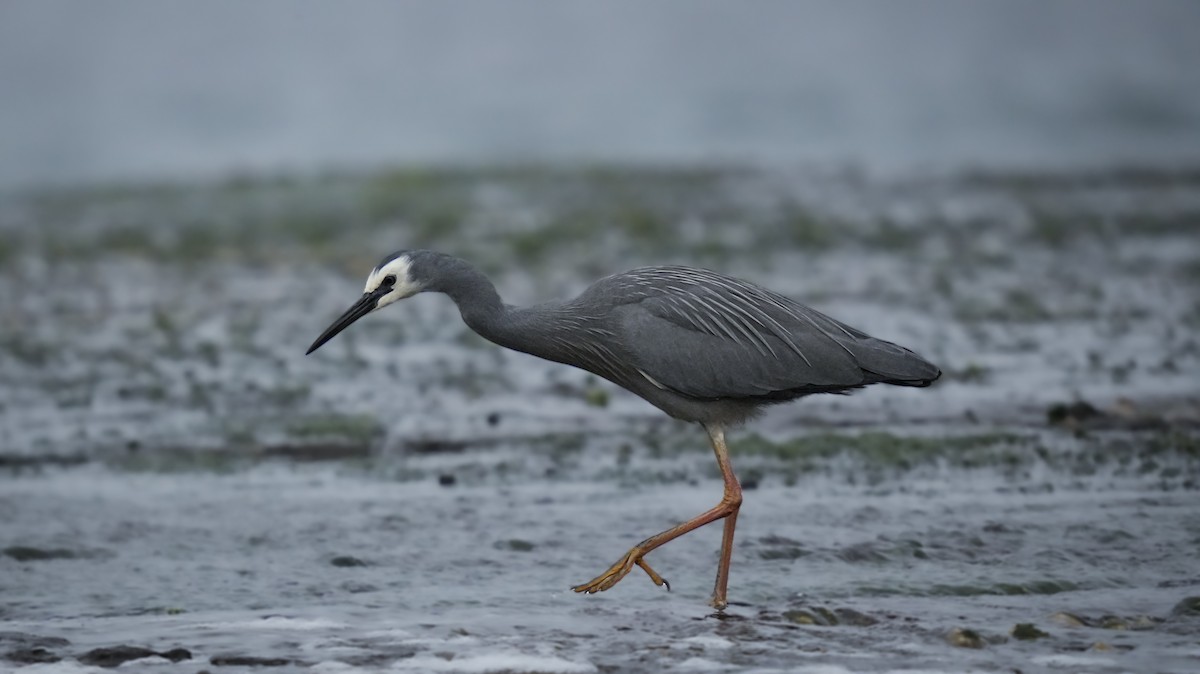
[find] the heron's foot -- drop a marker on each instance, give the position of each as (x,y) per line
(618,571)
(718,602)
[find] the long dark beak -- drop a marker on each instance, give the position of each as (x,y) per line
(365,305)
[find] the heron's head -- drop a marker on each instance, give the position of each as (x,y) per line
(395,278)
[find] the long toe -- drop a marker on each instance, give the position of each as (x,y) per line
(611,576)
(654,577)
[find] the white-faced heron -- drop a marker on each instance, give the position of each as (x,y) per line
(698,345)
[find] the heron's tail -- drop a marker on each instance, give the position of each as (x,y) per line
(893,364)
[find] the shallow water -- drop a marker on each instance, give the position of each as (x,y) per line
(318,565)
(177,475)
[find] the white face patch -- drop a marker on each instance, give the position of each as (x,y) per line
(404,286)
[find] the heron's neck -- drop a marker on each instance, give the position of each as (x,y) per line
(473,292)
(484,312)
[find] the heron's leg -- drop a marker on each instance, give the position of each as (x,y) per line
(733,495)
(727,508)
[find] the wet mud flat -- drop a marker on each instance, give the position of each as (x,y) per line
(176,478)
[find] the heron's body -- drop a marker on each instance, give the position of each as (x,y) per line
(698,345)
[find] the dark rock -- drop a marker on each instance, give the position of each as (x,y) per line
(1070,414)
(118,655)
(1123,414)
(434,446)
(1189,606)
(24,553)
(347,561)
(177,654)
(248,661)
(1027,631)
(493,419)
(20,461)
(514,544)
(31,656)
(111,657)
(446,480)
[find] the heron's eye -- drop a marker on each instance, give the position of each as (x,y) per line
(389,281)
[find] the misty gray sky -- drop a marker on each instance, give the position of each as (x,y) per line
(130,89)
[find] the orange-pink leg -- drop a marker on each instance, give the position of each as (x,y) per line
(731,501)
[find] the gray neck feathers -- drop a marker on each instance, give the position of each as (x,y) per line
(531,330)
(474,294)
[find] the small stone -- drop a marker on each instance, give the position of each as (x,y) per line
(493,419)
(176,654)
(446,480)
(1189,606)
(1071,414)
(848,616)
(514,544)
(964,638)
(1114,622)
(1064,619)
(1027,632)
(596,397)
(347,561)
(800,617)
(1101,646)
(25,553)
(821,617)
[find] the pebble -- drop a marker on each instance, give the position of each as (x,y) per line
(964,638)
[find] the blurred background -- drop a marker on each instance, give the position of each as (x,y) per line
(143,89)
(191,192)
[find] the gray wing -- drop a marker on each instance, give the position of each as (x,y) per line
(709,336)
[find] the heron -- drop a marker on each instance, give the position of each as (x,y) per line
(700,346)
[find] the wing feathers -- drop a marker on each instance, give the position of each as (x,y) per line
(711,336)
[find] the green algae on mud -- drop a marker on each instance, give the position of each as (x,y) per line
(352,429)
(880,448)
(683,213)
